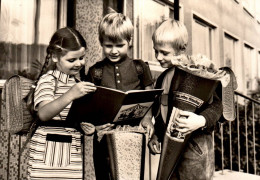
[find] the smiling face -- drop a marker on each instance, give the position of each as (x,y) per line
(115,51)
(71,62)
(164,53)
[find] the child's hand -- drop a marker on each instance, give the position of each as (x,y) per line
(189,122)
(82,88)
(88,128)
(104,127)
(147,124)
(154,145)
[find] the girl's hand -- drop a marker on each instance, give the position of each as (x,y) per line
(154,145)
(104,127)
(82,88)
(147,124)
(189,122)
(88,128)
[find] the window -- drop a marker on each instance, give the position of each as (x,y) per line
(148,14)
(230,51)
(250,65)
(25,31)
(232,58)
(203,37)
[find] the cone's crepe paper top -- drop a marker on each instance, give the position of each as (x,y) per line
(200,65)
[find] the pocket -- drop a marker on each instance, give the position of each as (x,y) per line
(57,150)
(195,146)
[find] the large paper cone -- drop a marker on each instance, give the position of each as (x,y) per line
(190,93)
(126,155)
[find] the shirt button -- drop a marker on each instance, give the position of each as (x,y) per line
(116,67)
(118,81)
(117,74)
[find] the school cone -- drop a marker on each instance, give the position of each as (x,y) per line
(190,93)
(171,153)
(126,154)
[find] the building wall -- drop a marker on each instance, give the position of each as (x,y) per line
(88,15)
(229,16)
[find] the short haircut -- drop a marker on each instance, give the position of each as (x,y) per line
(171,32)
(115,27)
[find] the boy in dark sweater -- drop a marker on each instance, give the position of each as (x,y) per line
(170,41)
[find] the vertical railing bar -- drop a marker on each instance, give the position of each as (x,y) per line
(222,148)
(253,111)
(247,167)
(230,146)
(238,136)
(213,140)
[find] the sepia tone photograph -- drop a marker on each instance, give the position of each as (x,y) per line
(201,56)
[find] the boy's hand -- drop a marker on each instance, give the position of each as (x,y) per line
(154,145)
(104,127)
(88,128)
(189,122)
(147,124)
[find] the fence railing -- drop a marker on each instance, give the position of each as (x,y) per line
(239,139)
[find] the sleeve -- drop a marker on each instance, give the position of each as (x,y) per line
(147,75)
(212,113)
(44,90)
(159,128)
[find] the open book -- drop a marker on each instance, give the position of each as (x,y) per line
(108,105)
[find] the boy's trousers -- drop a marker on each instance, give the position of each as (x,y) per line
(198,161)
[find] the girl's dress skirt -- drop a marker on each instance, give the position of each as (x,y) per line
(55,153)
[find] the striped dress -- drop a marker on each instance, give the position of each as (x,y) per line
(55,151)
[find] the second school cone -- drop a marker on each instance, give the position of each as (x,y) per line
(171,153)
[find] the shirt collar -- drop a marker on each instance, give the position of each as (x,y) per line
(60,75)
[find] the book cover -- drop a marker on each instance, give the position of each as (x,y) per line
(108,105)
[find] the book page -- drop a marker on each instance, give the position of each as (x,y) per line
(132,111)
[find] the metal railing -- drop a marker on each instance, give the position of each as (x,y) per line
(240,154)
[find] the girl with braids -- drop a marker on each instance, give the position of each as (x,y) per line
(55,148)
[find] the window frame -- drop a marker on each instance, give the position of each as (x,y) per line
(252,55)
(236,40)
(214,38)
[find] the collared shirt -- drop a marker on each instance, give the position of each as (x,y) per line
(122,75)
(45,89)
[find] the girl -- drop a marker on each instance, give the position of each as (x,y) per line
(55,150)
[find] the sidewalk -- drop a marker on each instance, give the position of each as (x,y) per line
(234,175)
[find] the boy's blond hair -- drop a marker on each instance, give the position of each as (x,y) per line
(171,32)
(115,26)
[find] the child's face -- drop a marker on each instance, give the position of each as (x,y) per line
(115,51)
(164,53)
(72,62)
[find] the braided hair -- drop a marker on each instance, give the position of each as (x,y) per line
(63,40)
